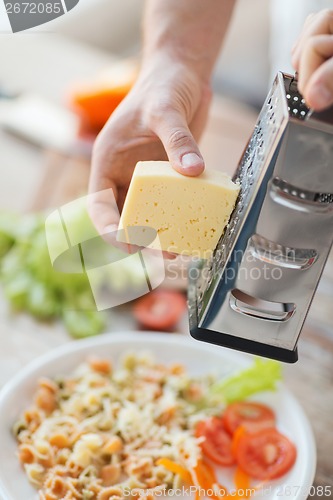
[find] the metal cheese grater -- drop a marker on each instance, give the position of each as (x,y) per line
(254,293)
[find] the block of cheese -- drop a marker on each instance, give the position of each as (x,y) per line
(188,213)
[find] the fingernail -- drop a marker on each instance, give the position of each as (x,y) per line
(320,96)
(191,160)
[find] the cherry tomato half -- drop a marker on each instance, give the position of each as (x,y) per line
(251,416)
(217,443)
(266,454)
(160,309)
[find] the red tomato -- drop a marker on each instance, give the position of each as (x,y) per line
(267,454)
(160,310)
(251,416)
(217,443)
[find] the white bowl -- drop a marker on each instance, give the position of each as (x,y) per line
(198,357)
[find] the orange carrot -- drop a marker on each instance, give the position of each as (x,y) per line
(206,478)
(243,488)
(176,469)
(238,434)
(242,480)
(197,495)
(100,365)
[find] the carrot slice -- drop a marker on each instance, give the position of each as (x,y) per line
(176,469)
(243,488)
(242,480)
(206,478)
(239,432)
(197,495)
(201,475)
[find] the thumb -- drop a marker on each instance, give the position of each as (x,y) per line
(179,144)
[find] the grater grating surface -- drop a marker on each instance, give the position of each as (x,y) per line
(248,176)
(276,184)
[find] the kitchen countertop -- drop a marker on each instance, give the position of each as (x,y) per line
(26,171)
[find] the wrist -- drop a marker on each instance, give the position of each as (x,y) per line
(173,60)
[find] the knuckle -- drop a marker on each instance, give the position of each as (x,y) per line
(178,139)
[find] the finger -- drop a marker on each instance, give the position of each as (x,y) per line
(102,200)
(319,90)
(320,23)
(316,51)
(103,211)
(179,144)
(296,49)
(102,204)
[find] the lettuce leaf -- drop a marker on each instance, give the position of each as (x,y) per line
(263,375)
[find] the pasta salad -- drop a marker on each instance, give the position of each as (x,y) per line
(108,432)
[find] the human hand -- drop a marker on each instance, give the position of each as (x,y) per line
(161,118)
(312,58)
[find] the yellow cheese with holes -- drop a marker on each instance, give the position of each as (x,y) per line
(188,213)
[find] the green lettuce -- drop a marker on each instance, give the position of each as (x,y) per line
(263,375)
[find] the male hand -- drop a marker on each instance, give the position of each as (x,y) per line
(161,118)
(312,57)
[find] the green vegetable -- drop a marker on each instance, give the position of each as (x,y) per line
(82,324)
(32,284)
(263,375)
(7,232)
(17,289)
(42,301)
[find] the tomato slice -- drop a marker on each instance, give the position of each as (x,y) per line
(251,416)
(266,454)
(160,309)
(217,443)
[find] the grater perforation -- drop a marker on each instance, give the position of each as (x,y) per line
(296,103)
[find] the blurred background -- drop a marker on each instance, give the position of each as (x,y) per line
(56,82)
(53,63)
